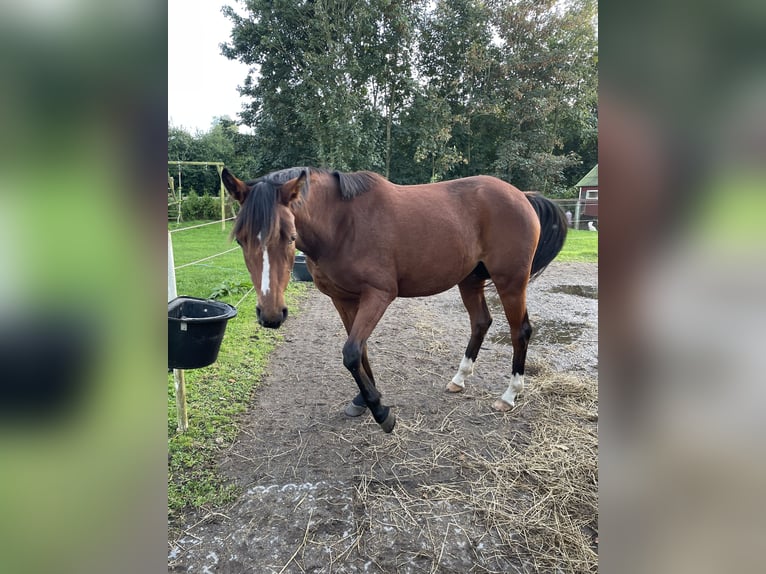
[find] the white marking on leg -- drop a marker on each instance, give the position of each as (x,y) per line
(464,370)
(514,388)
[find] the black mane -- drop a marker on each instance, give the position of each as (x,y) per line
(355,184)
(257,215)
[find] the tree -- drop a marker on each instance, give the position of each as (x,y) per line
(387,51)
(221,143)
(549,63)
(434,136)
(421,90)
(332,75)
(459,63)
(183,146)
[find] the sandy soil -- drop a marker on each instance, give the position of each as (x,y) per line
(326,493)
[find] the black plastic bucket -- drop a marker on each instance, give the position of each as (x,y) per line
(300,270)
(195,331)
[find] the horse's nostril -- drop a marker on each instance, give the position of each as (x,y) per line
(258,311)
(284,313)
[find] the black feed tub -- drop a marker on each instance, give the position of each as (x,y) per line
(195,331)
(300,270)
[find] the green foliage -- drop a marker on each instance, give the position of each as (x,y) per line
(333,101)
(202,207)
(222,143)
(417,90)
(230,288)
(548,96)
(434,147)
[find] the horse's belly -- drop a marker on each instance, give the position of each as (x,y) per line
(431,280)
(437,265)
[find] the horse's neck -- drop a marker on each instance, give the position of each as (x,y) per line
(317,222)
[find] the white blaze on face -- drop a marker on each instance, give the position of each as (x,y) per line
(265,275)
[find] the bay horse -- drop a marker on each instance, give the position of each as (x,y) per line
(368,241)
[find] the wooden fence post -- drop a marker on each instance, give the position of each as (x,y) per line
(178,374)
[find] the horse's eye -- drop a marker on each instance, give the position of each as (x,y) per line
(238,242)
(292,238)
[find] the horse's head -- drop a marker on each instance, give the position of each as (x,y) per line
(265,229)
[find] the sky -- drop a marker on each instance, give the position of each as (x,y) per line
(202,83)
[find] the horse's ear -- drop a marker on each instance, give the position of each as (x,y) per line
(290,190)
(237,188)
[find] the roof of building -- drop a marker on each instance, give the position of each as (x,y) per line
(590,179)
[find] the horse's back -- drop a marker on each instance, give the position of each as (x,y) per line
(480,207)
(474,191)
(435,235)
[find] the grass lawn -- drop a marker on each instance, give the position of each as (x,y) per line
(580,246)
(202,279)
(216,394)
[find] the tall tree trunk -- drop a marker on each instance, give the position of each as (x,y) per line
(388,133)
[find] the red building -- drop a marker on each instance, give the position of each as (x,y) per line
(587,204)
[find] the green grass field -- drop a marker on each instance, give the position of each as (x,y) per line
(580,246)
(201,280)
(218,393)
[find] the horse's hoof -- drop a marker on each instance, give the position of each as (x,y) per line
(388,424)
(501,406)
(353,410)
(453,388)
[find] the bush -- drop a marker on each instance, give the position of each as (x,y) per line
(200,207)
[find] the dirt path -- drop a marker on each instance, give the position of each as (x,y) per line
(326,493)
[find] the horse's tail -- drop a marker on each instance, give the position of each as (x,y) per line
(553,232)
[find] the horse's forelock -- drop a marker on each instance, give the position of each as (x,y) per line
(258,213)
(257,216)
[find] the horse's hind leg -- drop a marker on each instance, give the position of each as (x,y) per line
(472,292)
(514,298)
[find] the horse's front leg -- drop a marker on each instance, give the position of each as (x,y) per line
(347,309)
(358,406)
(370,310)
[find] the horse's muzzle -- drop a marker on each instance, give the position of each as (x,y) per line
(271,322)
